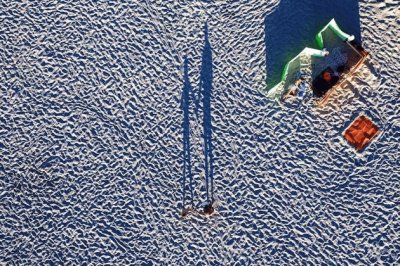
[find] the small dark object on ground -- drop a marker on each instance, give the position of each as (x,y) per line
(185,212)
(321,84)
(209,209)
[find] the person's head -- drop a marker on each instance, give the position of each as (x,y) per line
(327,76)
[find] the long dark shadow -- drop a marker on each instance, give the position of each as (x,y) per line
(187,163)
(294,24)
(206,78)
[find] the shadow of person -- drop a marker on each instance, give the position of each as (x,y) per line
(205,97)
(187,177)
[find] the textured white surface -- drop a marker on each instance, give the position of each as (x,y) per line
(91,140)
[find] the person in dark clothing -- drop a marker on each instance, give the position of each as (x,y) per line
(209,209)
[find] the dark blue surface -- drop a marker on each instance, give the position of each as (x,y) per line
(294,24)
(206,78)
(187,177)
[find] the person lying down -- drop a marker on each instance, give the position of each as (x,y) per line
(298,88)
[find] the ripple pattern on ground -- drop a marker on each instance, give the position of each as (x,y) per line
(91,141)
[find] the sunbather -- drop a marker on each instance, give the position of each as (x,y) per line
(297,88)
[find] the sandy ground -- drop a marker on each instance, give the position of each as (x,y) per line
(92,137)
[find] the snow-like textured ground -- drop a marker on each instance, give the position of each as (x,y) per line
(91,140)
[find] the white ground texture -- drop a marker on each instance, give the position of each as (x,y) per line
(91,141)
